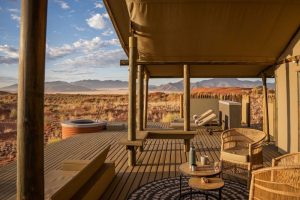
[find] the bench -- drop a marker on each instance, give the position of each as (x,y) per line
(171,134)
(80,179)
(137,143)
(141,137)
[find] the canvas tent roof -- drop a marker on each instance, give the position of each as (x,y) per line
(252,32)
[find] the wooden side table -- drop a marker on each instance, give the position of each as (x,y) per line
(201,171)
(212,185)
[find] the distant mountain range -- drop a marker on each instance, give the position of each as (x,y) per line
(93,85)
(212,83)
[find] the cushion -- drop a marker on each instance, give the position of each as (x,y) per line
(238,155)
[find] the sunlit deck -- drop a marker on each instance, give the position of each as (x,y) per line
(160,159)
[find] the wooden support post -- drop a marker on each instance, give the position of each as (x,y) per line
(146,88)
(186,73)
(131,156)
(187,145)
(248,111)
(266,109)
(140,97)
(132,98)
(30,122)
(181,106)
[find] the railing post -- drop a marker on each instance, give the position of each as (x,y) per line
(30,122)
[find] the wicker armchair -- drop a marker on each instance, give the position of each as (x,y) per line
(290,159)
(281,182)
(243,146)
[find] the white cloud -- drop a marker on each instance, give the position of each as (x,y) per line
(79,28)
(108,32)
(57,52)
(13,10)
(96,21)
(105,15)
(98,5)
(96,59)
(14,14)
(8,55)
(64,5)
(15,17)
(87,65)
(81,45)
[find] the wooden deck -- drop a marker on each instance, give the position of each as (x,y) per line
(160,159)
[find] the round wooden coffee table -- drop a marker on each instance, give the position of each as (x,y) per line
(201,171)
(212,185)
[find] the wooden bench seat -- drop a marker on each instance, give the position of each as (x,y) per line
(171,134)
(140,138)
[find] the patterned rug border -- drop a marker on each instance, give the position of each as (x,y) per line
(185,189)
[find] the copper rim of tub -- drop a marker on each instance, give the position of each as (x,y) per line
(80,126)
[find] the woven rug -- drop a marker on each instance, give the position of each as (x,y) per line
(169,189)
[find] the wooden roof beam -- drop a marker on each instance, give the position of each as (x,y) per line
(139,62)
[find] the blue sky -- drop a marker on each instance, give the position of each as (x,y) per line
(81,42)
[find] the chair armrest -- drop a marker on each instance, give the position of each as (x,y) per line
(255,148)
(287,158)
(225,134)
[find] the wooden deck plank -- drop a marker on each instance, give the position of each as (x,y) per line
(135,172)
(142,170)
(155,164)
(167,161)
(150,164)
(160,159)
(159,173)
(173,159)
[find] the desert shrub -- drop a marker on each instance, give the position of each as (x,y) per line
(13,113)
(53,140)
(169,117)
(2,117)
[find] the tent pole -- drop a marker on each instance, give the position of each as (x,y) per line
(146,87)
(132,99)
(248,111)
(181,106)
(266,109)
(186,74)
(186,71)
(140,97)
(30,122)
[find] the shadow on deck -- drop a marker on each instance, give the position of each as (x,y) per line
(160,159)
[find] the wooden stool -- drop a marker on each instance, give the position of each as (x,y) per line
(212,185)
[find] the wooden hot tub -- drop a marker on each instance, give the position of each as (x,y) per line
(81,126)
